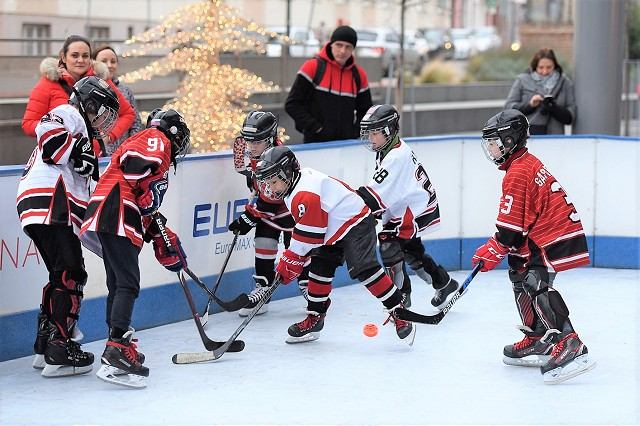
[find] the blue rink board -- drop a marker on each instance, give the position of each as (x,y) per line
(166,304)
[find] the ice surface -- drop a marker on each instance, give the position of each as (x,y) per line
(452,375)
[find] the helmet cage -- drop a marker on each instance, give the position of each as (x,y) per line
(383,119)
(377,127)
(102,120)
(285,169)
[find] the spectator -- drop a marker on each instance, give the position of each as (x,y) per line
(107,56)
(58,77)
(544,95)
(330,94)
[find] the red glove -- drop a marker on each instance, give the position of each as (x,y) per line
(171,255)
(290,266)
(491,253)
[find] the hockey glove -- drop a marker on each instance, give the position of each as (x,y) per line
(290,266)
(491,253)
(244,223)
(172,257)
(152,193)
(85,162)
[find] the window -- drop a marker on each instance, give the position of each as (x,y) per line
(99,34)
(40,33)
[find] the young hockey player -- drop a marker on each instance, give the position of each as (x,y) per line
(540,230)
(52,198)
(401,193)
(268,215)
(335,223)
(122,211)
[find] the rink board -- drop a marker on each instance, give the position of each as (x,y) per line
(601,174)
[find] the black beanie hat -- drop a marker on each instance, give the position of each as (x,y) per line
(344,33)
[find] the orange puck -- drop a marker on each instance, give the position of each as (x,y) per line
(370,330)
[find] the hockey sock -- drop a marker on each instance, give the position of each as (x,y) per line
(380,285)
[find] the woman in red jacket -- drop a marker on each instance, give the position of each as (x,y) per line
(54,87)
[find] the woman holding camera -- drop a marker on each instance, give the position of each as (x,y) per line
(545,95)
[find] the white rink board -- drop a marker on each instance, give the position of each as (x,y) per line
(599,173)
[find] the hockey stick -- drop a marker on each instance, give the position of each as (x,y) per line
(230,306)
(208,343)
(205,316)
(193,357)
(408,315)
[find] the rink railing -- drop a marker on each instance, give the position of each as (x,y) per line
(601,174)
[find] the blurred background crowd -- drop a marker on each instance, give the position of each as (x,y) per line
(449,63)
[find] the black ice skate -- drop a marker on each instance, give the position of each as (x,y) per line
(262,285)
(529,352)
(45,328)
(404,329)
(442,294)
(569,358)
(122,364)
(64,357)
(308,329)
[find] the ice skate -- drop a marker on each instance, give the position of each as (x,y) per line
(569,358)
(45,328)
(262,285)
(309,328)
(404,329)
(64,357)
(443,294)
(531,351)
(121,363)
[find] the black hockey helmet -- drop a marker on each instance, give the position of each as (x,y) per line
(97,103)
(503,134)
(379,118)
(280,162)
(172,124)
(259,130)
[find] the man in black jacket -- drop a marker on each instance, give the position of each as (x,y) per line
(331,93)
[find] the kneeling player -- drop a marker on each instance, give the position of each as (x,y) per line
(540,230)
(122,211)
(335,223)
(402,194)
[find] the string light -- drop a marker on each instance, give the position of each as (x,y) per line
(212,97)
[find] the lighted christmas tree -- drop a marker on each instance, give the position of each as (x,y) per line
(212,97)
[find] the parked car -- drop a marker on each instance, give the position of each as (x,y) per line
(437,39)
(385,43)
(421,46)
(305,42)
(485,38)
(463,46)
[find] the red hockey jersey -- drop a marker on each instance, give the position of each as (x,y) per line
(537,220)
(112,209)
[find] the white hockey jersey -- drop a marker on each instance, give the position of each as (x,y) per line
(401,191)
(50,191)
(324,209)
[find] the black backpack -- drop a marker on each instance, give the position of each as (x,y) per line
(322,67)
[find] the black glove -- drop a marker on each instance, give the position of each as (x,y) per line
(243,224)
(85,162)
(547,105)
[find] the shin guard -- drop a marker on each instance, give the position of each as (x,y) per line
(66,298)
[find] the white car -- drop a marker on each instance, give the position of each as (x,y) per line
(463,46)
(485,38)
(306,45)
(384,43)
